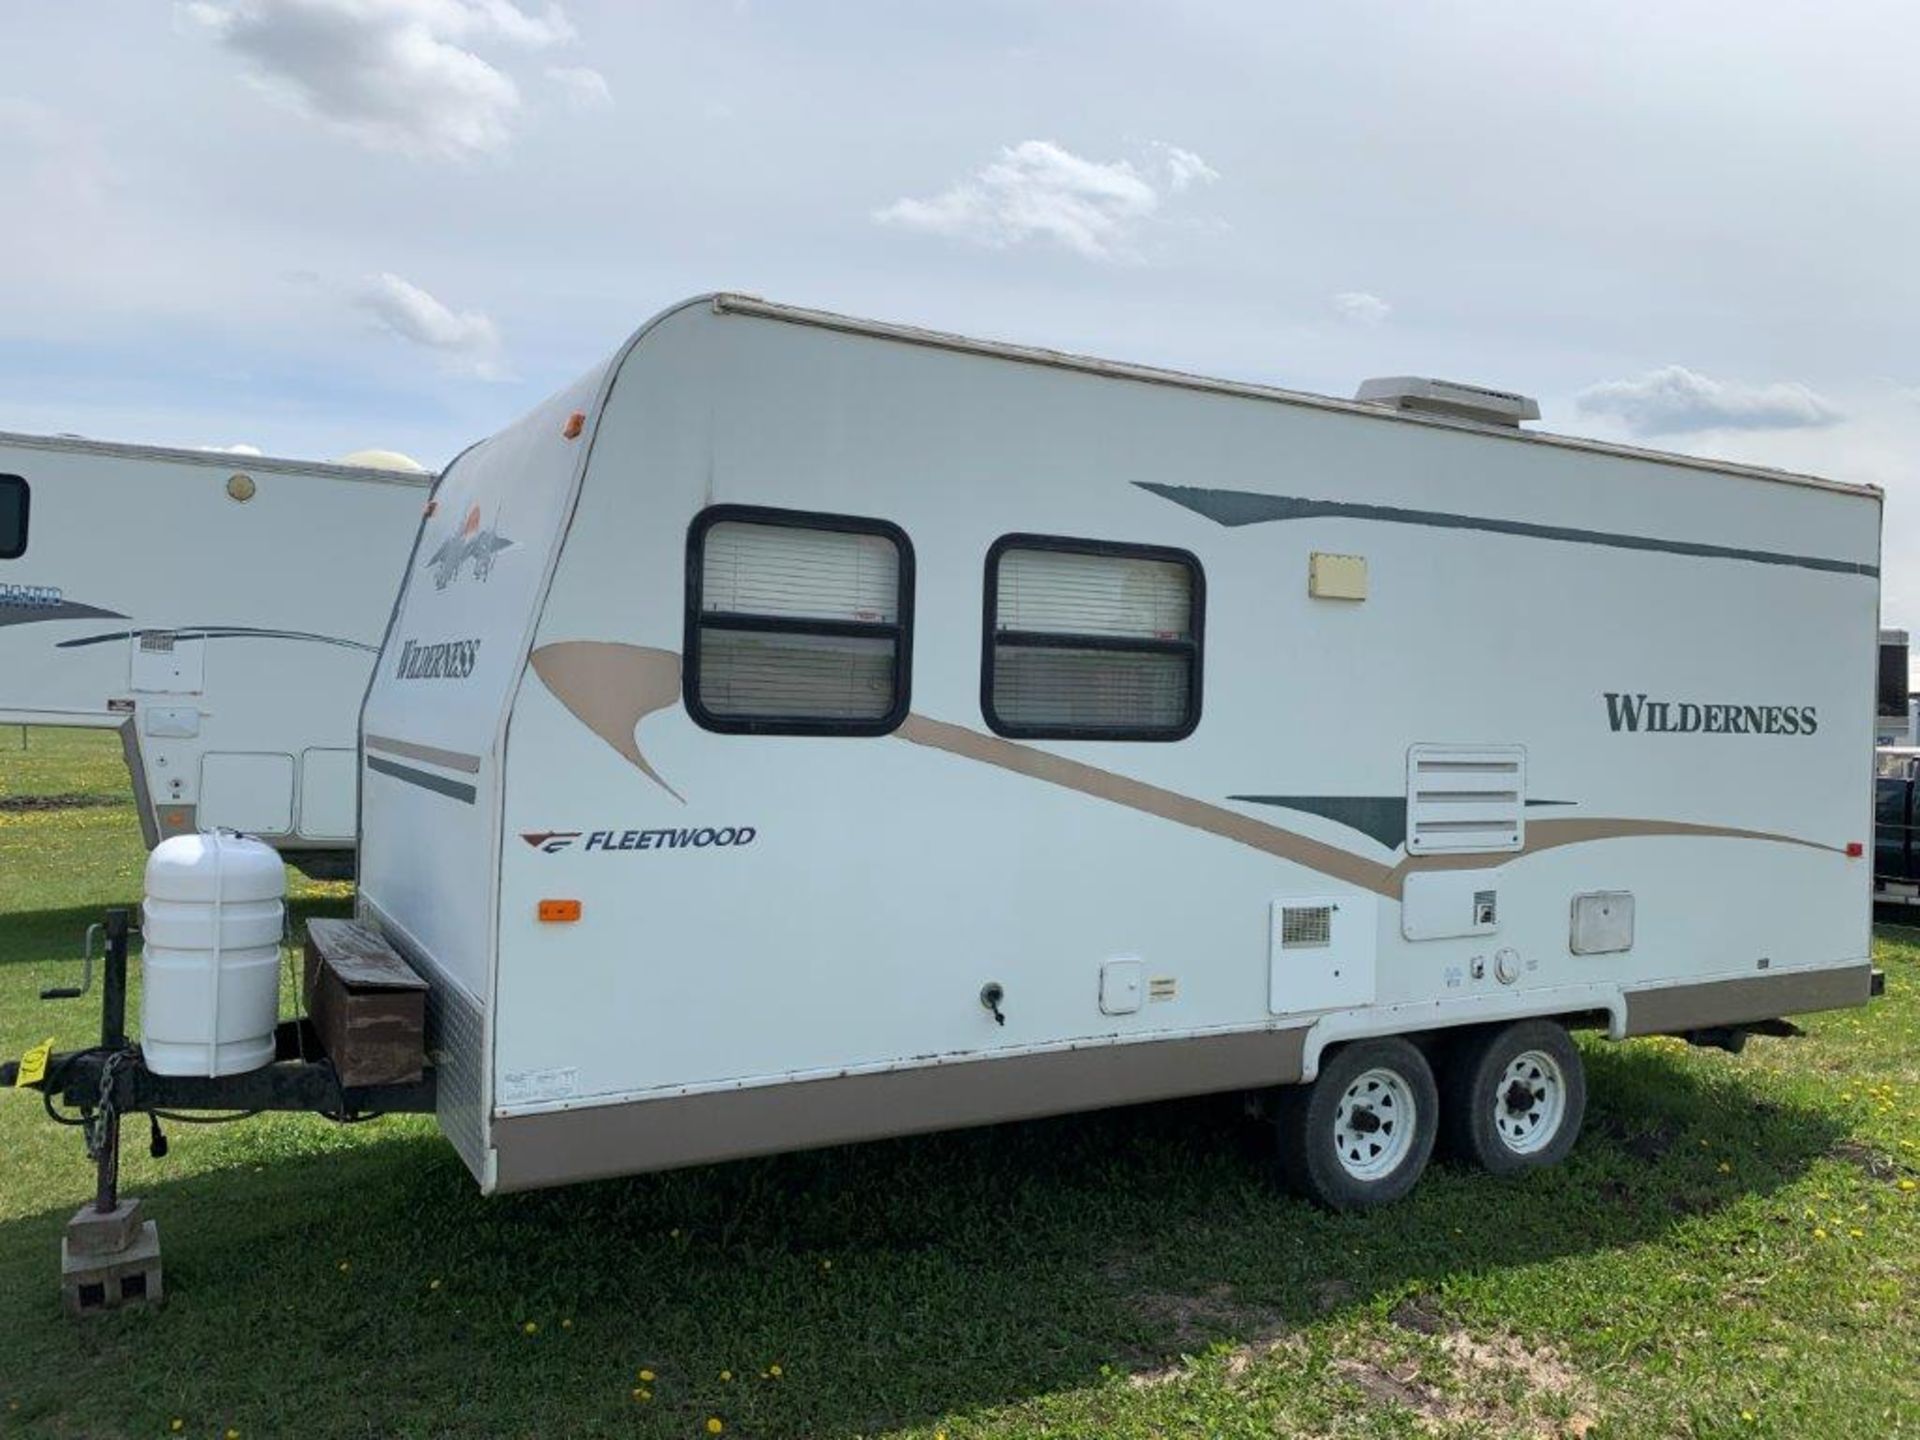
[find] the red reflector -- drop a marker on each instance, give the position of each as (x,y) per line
(1855,849)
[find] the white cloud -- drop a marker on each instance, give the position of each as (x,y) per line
(1674,400)
(584,88)
(401,75)
(467,340)
(1183,167)
(1360,308)
(241,449)
(1038,190)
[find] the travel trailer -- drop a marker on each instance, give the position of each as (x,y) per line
(802,730)
(220,611)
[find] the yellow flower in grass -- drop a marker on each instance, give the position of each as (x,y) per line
(177,1426)
(1819,1233)
(726,1374)
(775,1371)
(433,1284)
(642,1394)
(647,1376)
(715,1425)
(532,1327)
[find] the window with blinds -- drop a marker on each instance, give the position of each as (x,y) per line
(797,624)
(13,517)
(1089,640)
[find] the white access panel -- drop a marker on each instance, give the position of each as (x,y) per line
(1602,923)
(249,793)
(327,800)
(168,664)
(1321,953)
(1121,984)
(170,722)
(1446,904)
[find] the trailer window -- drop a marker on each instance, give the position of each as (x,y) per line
(797,624)
(1089,640)
(13,517)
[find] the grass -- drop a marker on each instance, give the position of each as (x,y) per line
(1733,1250)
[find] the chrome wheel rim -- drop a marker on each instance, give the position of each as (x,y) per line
(1374,1124)
(1530,1102)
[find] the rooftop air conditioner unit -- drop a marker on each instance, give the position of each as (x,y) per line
(1421,396)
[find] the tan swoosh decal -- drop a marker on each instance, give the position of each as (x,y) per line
(611,688)
(1551,834)
(1329,860)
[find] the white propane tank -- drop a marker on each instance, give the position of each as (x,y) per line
(210,956)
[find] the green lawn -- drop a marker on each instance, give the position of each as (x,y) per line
(1734,1249)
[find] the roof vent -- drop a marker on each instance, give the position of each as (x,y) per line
(1421,396)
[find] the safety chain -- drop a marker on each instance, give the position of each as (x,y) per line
(99,1125)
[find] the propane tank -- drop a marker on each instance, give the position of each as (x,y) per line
(211,925)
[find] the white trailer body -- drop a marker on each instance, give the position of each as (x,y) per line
(220,611)
(857,731)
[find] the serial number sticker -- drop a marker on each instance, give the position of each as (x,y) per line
(528,1087)
(33,1064)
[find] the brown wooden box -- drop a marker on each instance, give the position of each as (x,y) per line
(367,1005)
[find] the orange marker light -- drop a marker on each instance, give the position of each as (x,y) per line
(576,422)
(559,911)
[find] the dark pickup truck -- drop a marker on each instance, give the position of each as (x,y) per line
(1896,815)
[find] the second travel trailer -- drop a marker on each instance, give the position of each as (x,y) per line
(824,730)
(219,611)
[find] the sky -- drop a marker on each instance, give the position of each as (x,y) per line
(316,226)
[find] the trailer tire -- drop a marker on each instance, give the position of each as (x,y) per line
(1360,1135)
(1514,1097)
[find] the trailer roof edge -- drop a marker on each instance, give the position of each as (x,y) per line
(727,303)
(222,459)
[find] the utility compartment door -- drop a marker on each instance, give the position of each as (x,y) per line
(1321,953)
(327,778)
(247,792)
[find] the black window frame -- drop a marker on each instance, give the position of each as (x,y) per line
(899,631)
(26,513)
(1194,646)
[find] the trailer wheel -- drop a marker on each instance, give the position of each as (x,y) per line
(1360,1135)
(1515,1097)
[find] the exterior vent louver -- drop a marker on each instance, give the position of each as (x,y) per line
(1306,927)
(1466,799)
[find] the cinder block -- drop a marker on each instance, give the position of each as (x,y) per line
(94,1284)
(103,1232)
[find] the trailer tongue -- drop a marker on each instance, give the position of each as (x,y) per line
(110,1256)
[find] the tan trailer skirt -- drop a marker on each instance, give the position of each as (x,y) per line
(558,1147)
